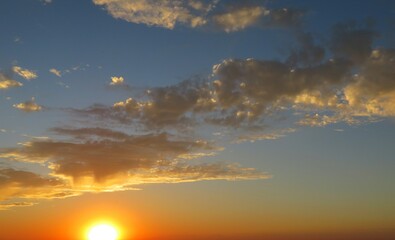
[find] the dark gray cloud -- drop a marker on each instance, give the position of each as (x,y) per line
(106,156)
(29,186)
(352,42)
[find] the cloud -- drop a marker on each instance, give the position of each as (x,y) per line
(166,13)
(372,91)
(265,136)
(239,18)
(28,106)
(25,73)
(15,204)
(307,53)
(19,184)
(45,2)
(56,72)
(117,81)
(7,82)
(314,86)
(246,90)
(165,106)
(227,16)
(352,42)
(97,159)
(284,17)
(247,99)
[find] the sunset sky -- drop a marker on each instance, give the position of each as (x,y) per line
(195,119)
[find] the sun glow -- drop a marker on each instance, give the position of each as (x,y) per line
(103,232)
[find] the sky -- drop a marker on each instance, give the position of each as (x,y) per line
(197,119)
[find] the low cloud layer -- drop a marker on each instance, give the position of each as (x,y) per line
(97,159)
(29,187)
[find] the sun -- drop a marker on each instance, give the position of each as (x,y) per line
(103,232)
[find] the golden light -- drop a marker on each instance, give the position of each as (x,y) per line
(103,232)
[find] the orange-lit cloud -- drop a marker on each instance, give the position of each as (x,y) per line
(28,186)
(117,81)
(158,13)
(226,16)
(28,106)
(317,85)
(24,73)
(314,86)
(96,159)
(240,18)
(7,82)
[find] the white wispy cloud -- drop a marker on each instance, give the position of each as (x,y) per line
(56,72)
(45,2)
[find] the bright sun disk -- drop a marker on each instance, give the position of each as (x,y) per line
(103,232)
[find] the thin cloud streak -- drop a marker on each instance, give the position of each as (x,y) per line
(24,73)
(216,14)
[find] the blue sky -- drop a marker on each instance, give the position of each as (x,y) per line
(298,97)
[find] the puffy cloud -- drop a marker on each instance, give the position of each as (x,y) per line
(243,94)
(25,73)
(166,13)
(56,72)
(117,81)
(231,16)
(28,106)
(6,82)
(247,89)
(239,18)
(165,106)
(372,91)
